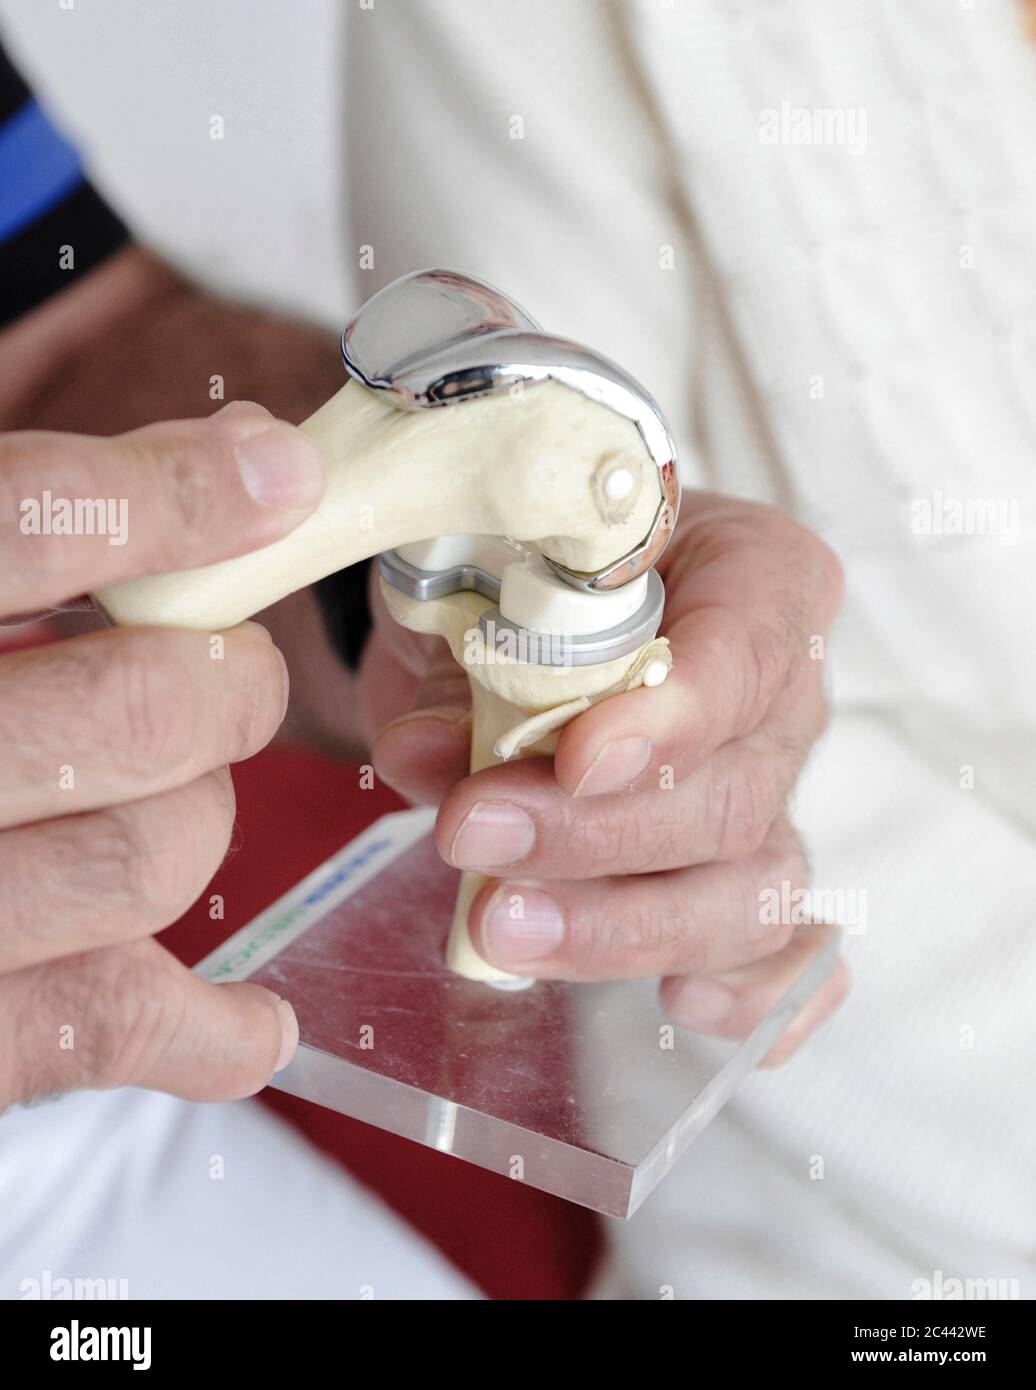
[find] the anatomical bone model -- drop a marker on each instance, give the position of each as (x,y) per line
(519,489)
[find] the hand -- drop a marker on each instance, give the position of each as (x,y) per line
(644,846)
(116,802)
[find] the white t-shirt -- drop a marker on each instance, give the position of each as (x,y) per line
(130,1194)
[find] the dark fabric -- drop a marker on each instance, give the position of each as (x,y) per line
(13,91)
(343,600)
(46,204)
(30,263)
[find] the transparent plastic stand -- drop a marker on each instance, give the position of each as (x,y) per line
(585,1091)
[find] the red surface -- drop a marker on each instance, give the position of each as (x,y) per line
(294,810)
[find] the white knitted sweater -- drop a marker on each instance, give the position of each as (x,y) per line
(848,329)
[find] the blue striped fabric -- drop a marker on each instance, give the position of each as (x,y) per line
(46,204)
(38,167)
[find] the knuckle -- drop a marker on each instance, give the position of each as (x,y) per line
(627,836)
(642,936)
(661,840)
(146,703)
(192,492)
(741,806)
(96,860)
(599,840)
(761,671)
(94,1019)
(130,1018)
(115,872)
(171,852)
(160,874)
(713,634)
(790,741)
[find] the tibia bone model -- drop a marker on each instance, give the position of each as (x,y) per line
(518,710)
(518,489)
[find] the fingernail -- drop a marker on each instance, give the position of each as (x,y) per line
(289,1034)
(493,833)
(617,766)
(702,1003)
(521,924)
(281,468)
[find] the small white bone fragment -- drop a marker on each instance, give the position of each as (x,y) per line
(655,672)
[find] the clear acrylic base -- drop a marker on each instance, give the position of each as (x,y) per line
(585,1091)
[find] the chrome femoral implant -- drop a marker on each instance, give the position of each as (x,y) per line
(435,338)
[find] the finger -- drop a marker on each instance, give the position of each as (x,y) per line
(424,752)
(743,600)
(93,880)
(133,1016)
(685,921)
(118,715)
(516,817)
(731,1005)
(78,513)
(827,1000)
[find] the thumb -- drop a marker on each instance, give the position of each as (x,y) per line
(171,496)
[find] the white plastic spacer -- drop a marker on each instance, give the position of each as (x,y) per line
(532,597)
(618,485)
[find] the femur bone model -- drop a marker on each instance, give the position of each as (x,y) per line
(518,489)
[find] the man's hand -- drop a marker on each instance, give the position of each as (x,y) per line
(134,342)
(644,847)
(116,802)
